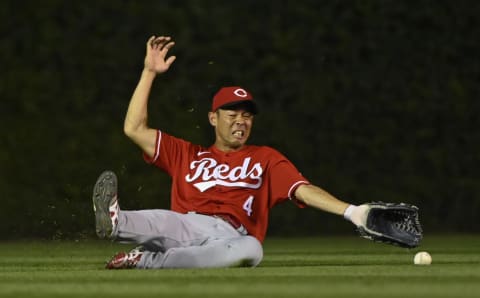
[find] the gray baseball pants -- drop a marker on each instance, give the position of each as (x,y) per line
(176,240)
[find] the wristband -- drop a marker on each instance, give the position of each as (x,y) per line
(348,212)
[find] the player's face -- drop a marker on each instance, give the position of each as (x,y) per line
(232,128)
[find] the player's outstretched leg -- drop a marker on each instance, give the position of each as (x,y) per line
(123,260)
(105,205)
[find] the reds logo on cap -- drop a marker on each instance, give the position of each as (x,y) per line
(240,92)
(230,96)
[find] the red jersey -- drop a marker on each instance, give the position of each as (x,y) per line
(244,184)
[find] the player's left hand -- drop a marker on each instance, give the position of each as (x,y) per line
(393,223)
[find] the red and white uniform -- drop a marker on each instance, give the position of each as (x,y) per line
(243,184)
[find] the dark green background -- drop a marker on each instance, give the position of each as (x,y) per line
(372,100)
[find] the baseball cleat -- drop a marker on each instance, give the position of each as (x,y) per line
(123,260)
(105,205)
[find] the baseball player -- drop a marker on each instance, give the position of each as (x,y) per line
(220,196)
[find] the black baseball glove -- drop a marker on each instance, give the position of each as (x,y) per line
(392,223)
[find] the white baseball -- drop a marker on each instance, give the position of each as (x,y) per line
(422,258)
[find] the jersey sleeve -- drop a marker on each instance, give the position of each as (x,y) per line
(168,152)
(284,180)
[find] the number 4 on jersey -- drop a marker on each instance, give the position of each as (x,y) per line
(247,206)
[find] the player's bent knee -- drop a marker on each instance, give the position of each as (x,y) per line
(253,251)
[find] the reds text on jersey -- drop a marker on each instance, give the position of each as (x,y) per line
(244,184)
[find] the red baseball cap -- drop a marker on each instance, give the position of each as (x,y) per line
(228,97)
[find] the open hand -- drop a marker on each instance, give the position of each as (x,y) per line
(157,50)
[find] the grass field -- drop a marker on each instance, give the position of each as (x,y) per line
(305,267)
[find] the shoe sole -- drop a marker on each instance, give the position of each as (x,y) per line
(104,194)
